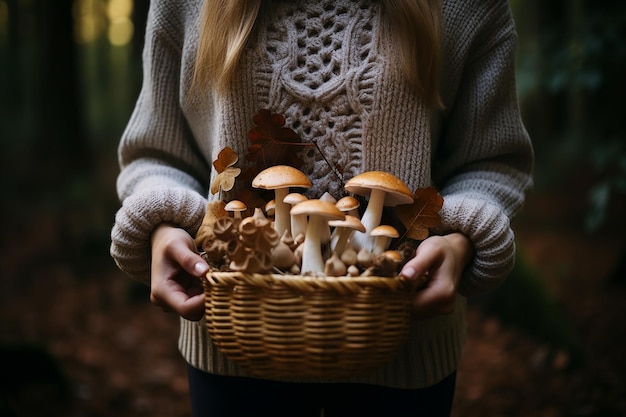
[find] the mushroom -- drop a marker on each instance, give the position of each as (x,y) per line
(319,212)
(382,238)
(298,222)
(226,229)
(236,207)
(364,258)
(326,232)
(334,267)
(256,232)
(353,271)
(349,205)
(383,189)
(344,229)
(387,264)
(280,178)
(270,207)
(282,255)
(349,256)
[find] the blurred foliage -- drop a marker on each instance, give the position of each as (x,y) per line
(64,101)
(523,301)
(571,67)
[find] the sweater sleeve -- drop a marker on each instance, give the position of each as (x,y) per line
(163,177)
(484,158)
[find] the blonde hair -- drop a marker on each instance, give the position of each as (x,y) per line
(225,26)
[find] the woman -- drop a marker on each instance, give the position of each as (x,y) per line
(422,89)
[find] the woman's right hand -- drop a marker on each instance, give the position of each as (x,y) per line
(176,271)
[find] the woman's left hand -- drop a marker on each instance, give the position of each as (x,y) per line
(442,260)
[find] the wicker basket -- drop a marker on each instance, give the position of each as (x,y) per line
(292,326)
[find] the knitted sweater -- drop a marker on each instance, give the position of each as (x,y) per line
(326,66)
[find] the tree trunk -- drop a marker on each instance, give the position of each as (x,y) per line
(59,119)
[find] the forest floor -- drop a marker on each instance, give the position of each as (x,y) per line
(80,339)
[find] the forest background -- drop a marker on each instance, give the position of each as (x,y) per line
(79,338)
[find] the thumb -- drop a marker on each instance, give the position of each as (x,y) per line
(182,250)
(191,261)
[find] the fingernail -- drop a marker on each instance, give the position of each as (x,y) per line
(408,272)
(201,268)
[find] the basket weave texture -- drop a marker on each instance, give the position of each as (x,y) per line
(304,327)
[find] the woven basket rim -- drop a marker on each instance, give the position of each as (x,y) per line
(343,284)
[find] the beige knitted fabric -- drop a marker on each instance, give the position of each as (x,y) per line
(330,70)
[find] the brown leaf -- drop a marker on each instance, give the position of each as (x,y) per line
(226,158)
(272,143)
(225,180)
(226,173)
(422,215)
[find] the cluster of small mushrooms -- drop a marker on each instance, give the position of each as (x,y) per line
(297,235)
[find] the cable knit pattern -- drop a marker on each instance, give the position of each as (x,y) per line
(324,65)
(332,72)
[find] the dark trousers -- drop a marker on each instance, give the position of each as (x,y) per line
(225,396)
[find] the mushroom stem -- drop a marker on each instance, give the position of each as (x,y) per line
(343,234)
(381,243)
(282,219)
(371,219)
(312,260)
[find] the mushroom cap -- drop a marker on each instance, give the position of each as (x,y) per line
(235,205)
(392,255)
(270,206)
(317,207)
(347,203)
(397,192)
(349,222)
(384,230)
(280,176)
(294,198)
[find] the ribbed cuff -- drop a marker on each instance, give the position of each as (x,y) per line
(140,214)
(490,232)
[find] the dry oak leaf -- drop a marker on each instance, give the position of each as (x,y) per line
(271,141)
(226,173)
(422,215)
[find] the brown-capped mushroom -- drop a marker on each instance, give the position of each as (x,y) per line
(319,212)
(349,205)
(270,208)
(236,207)
(344,229)
(298,221)
(382,238)
(387,264)
(383,189)
(281,178)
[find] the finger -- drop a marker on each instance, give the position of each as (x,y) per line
(426,257)
(182,252)
(193,308)
(437,297)
(187,301)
